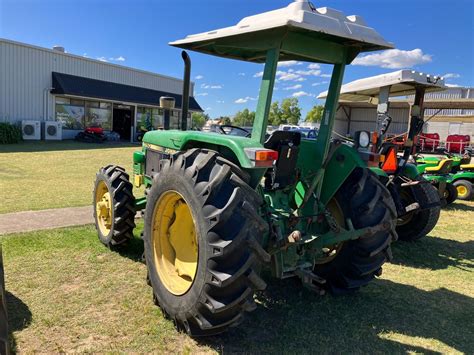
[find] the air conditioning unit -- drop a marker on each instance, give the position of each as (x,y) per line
(53,131)
(31,130)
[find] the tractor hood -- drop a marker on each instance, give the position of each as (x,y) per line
(401,82)
(293,29)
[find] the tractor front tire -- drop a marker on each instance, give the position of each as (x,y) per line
(450,193)
(418,223)
(465,189)
(114,210)
(368,203)
(200,220)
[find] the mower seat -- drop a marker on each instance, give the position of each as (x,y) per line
(286,143)
(467,167)
(443,167)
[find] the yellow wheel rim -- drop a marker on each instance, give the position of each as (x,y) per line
(462,190)
(174,243)
(103,207)
(331,252)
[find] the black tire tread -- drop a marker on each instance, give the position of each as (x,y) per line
(230,208)
(121,190)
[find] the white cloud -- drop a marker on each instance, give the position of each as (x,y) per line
(453,85)
(289,77)
(300,79)
(102,59)
(258,75)
(312,72)
(394,59)
(202,94)
(289,63)
(314,66)
(320,83)
(207,86)
(301,93)
(451,76)
(245,100)
(220,101)
(117,59)
(243,74)
(198,77)
(294,87)
(325,75)
(208,109)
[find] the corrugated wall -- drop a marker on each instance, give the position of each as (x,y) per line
(365,119)
(25,74)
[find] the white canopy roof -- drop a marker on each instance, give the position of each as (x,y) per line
(402,83)
(299,16)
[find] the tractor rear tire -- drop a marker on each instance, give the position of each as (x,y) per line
(418,223)
(450,193)
(368,203)
(115,220)
(465,189)
(218,289)
(4,347)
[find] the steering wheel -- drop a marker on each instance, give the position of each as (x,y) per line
(242,132)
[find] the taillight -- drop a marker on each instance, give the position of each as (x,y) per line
(261,157)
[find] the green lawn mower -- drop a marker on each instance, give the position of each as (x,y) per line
(439,176)
(418,202)
(460,177)
(218,207)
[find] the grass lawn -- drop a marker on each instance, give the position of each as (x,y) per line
(66,292)
(41,175)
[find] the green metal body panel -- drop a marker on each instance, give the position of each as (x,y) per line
(462,175)
(379,172)
(410,171)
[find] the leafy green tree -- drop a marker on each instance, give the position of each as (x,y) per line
(315,114)
(274,117)
(199,119)
(244,118)
(290,111)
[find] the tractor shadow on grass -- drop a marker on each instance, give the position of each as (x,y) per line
(434,253)
(132,250)
(459,206)
(19,317)
(290,319)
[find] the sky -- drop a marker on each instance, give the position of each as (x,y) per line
(431,36)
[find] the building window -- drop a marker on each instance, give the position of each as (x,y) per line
(97,116)
(71,116)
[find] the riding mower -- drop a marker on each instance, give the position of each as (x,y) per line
(418,203)
(461,175)
(219,207)
(4,347)
(439,176)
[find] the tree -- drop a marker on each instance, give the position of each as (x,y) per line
(290,111)
(274,118)
(225,120)
(199,119)
(315,114)
(244,118)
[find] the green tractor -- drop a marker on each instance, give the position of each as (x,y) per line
(416,198)
(218,207)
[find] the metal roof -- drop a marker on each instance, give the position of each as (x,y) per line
(465,104)
(401,82)
(266,29)
(65,84)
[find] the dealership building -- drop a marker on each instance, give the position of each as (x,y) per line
(55,95)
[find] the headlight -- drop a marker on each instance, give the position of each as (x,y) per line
(362,139)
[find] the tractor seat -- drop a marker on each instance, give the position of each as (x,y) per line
(443,167)
(286,143)
(467,167)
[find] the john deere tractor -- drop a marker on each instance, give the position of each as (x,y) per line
(417,199)
(218,207)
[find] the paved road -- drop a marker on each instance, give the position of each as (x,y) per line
(46,219)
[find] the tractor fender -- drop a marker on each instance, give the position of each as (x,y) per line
(462,175)
(410,171)
(379,172)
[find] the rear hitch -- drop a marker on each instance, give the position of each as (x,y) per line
(311,281)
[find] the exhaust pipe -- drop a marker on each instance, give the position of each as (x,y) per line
(186,85)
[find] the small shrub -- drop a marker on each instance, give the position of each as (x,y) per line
(9,133)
